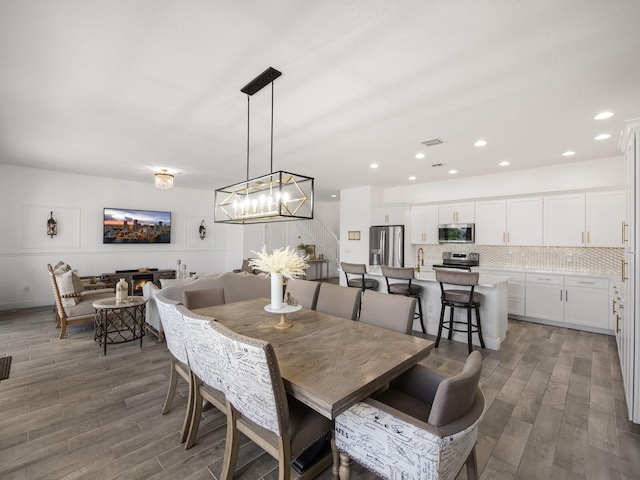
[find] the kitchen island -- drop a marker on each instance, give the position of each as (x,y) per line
(493,313)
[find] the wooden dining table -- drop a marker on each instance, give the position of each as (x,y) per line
(327,362)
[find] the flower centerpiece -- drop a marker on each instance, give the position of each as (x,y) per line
(282,262)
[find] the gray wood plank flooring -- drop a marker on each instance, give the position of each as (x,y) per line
(555,409)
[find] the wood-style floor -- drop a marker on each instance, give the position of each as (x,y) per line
(555,409)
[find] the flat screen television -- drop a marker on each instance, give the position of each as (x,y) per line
(136,226)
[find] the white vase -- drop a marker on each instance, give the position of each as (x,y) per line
(122,291)
(276,290)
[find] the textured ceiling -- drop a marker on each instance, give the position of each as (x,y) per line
(115,88)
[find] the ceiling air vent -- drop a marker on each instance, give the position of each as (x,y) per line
(433,142)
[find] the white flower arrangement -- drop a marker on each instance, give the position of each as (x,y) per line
(285,261)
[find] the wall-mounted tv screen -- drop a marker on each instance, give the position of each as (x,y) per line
(136,226)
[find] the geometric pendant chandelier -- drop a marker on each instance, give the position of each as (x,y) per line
(275,197)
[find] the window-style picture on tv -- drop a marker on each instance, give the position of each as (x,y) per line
(136,226)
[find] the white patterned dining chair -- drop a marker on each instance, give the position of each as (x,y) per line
(422,427)
(207,364)
(258,407)
(174,333)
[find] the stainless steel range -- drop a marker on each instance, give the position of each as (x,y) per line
(462,261)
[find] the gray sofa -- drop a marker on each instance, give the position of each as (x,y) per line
(237,287)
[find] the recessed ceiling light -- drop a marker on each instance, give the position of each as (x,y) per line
(568,153)
(602,136)
(603,116)
(453,171)
(503,163)
(420,156)
(374,165)
(480,143)
(412,177)
(333,195)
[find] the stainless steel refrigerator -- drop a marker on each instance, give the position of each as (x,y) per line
(386,245)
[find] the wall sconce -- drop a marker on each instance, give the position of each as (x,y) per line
(202,230)
(52,226)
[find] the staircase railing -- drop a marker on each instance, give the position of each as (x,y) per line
(325,240)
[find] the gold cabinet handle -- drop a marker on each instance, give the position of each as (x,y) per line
(503,238)
(588,237)
(624,225)
(586,283)
(613,306)
(560,294)
(566,295)
(582,238)
(617,323)
(624,277)
(508,237)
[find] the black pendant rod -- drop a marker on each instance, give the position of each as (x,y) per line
(248,118)
(271,169)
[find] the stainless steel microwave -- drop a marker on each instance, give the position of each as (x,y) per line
(457,233)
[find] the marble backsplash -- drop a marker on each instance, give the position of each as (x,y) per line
(597,260)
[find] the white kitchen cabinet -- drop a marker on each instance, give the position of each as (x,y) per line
(514,221)
(586,301)
(604,216)
(491,222)
(524,221)
(516,284)
(544,297)
(424,224)
(591,219)
(563,222)
(573,299)
(387,215)
(463,212)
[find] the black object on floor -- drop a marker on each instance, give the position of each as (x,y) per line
(5,365)
(312,454)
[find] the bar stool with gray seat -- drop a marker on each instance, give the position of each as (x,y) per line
(467,299)
(404,288)
(359,269)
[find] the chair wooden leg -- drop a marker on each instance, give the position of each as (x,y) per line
(479,327)
(472,465)
(63,328)
(195,409)
(173,385)
(232,445)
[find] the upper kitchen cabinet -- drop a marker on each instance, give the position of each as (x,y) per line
(387,216)
(456,212)
(515,221)
(424,224)
(592,219)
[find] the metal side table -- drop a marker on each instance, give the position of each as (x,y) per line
(119,322)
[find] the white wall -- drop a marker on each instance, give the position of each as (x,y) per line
(355,215)
(28,195)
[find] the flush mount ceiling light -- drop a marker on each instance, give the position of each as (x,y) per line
(163,179)
(603,116)
(602,136)
(275,197)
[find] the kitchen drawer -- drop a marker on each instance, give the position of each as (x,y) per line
(545,279)
(586,282)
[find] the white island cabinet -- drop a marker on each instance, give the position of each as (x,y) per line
(493,313)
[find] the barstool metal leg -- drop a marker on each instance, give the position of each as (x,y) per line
(421,317)
(479,327)
(469,331)
(442,308)
(450,322)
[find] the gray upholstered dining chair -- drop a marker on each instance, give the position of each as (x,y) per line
(205,297)
(393,312)
(206,361)
(406,288)
(423,426)
(259,407)
(358,270)
(175,335)
(467,299)
(339,301)
(304,291)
